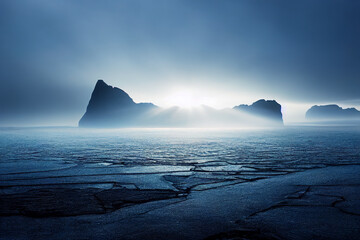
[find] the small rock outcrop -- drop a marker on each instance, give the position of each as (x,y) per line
(268,109)
(332,112)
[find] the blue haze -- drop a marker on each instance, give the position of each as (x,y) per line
(52,52)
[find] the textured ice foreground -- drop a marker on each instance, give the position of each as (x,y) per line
(176,184)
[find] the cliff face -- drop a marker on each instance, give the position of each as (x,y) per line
(331,112)
(268,109)
(112,107)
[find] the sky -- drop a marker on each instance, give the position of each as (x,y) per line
(221,53)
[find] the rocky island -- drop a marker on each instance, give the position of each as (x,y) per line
(112,107)
(264,108)
(332,113)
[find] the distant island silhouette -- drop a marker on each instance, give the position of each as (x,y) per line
(264,108)
(331,112)
(112,107)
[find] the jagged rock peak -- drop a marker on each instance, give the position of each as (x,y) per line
(109,106)
(100,83)
(105,96)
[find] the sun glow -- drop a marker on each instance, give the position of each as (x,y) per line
(187,99)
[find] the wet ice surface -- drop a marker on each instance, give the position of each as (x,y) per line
(166,159)
(43,170)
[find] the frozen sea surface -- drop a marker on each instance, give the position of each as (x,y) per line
(175,159)
(62,172)
(25,150)
(167,158)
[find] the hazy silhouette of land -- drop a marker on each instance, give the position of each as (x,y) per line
(112,107)
(332,113)
(268,109)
